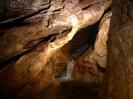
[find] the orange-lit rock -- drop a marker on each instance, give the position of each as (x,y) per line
(87,66)
(100,47)
(32,30)
(119,75)
(27,43)
(86,69)
(58,61)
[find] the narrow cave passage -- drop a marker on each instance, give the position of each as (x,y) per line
(66,49)
(85,78)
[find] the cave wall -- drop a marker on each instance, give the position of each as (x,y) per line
(119,75)
(31,31)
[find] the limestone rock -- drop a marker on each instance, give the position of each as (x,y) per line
(21,34)
(100,47)
(86,69)
(58,61)
(74,49)
(119,75)
(27,42)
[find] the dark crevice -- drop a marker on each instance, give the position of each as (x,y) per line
(92,30)
(106,11)
(19,21)
(90,5)
(101,69)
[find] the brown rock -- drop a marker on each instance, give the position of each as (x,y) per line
(100,47)
(26,37)
(28,66)
(22,34)
(74,49)
(58,61)
(119,75)
(86,69)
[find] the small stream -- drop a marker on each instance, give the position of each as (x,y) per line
(70,64)
(76,89)
(69,69)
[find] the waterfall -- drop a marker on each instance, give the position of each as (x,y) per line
(69,69)
(70,64)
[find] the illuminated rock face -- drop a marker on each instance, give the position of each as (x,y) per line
(119,76)
(100,47)
(31,32)
(90,66)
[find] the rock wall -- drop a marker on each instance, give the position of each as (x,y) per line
(119,75)
(90,66)
(32,33)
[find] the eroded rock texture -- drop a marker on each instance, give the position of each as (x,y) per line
(90,66)
(119,76)
(100,47)
(31,32)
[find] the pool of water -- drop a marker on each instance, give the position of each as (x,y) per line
(74,89)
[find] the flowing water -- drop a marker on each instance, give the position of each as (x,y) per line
(76,89)
(69,69)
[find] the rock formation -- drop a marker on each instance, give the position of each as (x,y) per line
(39,37)
(100,47)
(119,75)
(90,66)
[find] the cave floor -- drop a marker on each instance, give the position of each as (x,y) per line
(74,89)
